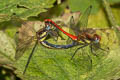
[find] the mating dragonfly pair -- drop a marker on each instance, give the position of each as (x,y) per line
(83,37)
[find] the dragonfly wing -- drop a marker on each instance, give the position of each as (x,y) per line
(19,52)
(72,22)
(24,39)
(16,37)
(83,20)
(21,48)
(71,25)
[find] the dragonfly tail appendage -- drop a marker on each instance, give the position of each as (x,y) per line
(30,56)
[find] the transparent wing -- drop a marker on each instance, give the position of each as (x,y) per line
(16,37)
(71,25)
(72,22)
(83,20)
(22,47)
(24,38)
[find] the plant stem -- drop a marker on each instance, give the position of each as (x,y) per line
(109,14)
(58,1)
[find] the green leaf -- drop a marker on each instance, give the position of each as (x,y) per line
(113,1)
(82,5)
(48,64)
(108,68)
(54,64)
(23,8)
(98,20)
(7,48)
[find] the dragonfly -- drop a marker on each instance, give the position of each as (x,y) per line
(39,36)
(83,35)
(27,36)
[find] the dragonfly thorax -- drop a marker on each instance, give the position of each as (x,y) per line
(47,27)
(88,37)
(41,34)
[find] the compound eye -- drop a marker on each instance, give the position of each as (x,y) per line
(47,27)
(97,38)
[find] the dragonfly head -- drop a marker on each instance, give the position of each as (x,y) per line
(97,38)
(49,24)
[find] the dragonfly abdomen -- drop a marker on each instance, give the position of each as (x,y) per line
(50,45)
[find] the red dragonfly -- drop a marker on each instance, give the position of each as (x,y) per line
(88,36)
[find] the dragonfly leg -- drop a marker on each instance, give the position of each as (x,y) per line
(68,40)
(90,60)
(77,50)
(102,48)
(59,34)
(84,41)
(91,48)
(55,37)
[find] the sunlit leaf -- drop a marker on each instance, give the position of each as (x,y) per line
(7,48)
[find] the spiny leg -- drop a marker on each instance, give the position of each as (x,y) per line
(90,60)
(77,50)
(60,35)
(101,48)
(30,56)
(55,37)
(91,48)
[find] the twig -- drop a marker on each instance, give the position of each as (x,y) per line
(109,13)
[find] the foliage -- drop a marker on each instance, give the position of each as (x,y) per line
(23,8)
(81,5)
(54,64)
